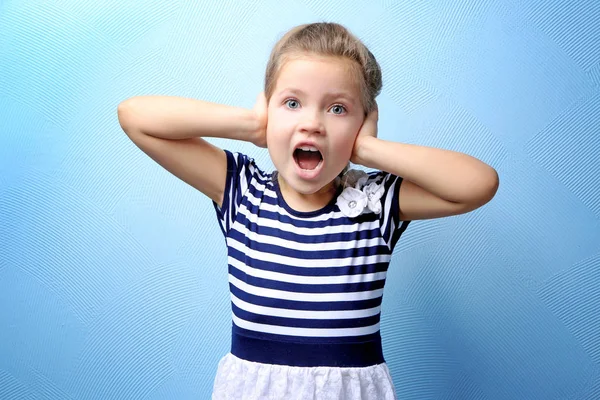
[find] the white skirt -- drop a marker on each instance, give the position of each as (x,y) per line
(239,379)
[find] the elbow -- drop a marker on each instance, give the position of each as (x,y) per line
(125,114)
(487,188)
(481,192)
(492,184)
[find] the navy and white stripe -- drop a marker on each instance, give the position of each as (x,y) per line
(306,287)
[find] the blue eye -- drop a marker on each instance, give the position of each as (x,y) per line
(339,107)
(292,101)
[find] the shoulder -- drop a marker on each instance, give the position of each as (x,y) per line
(382,176)
(243,163)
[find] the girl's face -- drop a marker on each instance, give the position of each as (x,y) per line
(314,115)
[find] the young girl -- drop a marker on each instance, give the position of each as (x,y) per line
(308,245)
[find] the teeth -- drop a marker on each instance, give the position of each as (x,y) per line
(308,148)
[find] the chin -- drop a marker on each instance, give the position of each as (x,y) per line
(305,187)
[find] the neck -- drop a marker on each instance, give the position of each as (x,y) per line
(306,202)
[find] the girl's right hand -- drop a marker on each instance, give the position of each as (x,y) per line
(260,110)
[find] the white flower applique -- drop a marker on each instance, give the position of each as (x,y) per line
(358,198)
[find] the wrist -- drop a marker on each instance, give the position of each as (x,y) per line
(254,126)
(241,124)
(365,150)
(258,130)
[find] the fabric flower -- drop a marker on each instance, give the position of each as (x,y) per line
(352,202)
(374,192)
(357,197)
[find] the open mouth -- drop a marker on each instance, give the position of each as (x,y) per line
(308,157)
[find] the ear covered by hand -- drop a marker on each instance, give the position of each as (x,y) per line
(260,111)
(367,131)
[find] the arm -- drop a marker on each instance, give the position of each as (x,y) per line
(169,130)
(437,183)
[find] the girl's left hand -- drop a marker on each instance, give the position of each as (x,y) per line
(367,131)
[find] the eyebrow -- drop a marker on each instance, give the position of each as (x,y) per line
(343,94)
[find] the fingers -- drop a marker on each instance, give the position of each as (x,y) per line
(259,100)
(260,107)
(369,125)
(374,114)
(372,118)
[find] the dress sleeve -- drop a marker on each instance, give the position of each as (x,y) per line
(389,218)
(240,172)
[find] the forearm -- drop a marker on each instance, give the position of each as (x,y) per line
(182,118)
(450,175)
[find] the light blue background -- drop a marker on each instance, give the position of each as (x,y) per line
(113,281)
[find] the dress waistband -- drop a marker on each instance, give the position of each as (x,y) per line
(267,351)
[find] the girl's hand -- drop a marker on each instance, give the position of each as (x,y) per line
(367,131)
(260,111)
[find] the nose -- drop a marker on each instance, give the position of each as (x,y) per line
(311,123)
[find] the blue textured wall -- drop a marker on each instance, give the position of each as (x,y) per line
(113,280)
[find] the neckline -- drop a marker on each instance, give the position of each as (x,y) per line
(304,214)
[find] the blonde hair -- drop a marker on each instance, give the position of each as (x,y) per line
(327,39)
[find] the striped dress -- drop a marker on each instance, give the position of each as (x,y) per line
(306,291)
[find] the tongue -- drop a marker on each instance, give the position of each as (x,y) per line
(308,159)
